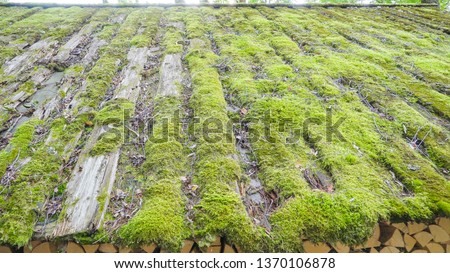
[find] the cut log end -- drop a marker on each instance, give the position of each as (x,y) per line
(107,248)
(391,236)
(125,250)
(228,249)
(410,242)
(91,248)
(435,248)
(423,238)
(74,248)
(187,246)
(45,247)
(341,248)
(310,247)
(414,227)
(444,223)
(149,248)
(5,249)
(439,234)
(390,249)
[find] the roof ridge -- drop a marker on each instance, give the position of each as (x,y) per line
(217,5)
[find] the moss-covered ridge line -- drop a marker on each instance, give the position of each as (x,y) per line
(94,175)
(52,153)
(108,133)
(16,226)
(242,27)
(431,174)
(63,144)
(49,157)
(220,211)
(161,219)
(275,158)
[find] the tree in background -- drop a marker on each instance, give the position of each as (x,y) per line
(443,3)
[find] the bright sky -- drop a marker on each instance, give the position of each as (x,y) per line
(97,1)
(141,1)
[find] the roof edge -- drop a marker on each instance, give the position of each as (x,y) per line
(306,5)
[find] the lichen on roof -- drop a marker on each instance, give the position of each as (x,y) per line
(260,125)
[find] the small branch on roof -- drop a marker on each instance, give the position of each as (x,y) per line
(423,139)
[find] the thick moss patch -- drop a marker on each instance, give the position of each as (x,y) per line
(220,211)
(161,219)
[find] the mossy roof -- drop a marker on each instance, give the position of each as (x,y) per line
(357,102)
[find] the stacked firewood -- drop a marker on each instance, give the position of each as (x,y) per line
(395,238)
(189,246)
(387,238)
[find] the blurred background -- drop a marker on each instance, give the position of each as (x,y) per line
(443,3)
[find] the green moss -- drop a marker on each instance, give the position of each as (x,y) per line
(160,220)
(220,211)
(173,41)
(149,23)
(53,22)
(42,174)
(16,226)
(359,172)
(322,217)
(114,114)
(162,165)
(36,179)
(100,77)
(101,199)
(87,238)
(14,14)
(223,214)
(27,87)
(107,32)
(139,41)
(18,145)
(444,207)
(107,142)
(64,131)
(74,71)
(7,53)
(385,76)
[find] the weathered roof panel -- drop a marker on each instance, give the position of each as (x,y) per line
(261,125)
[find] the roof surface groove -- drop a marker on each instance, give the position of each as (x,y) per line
(104,116)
